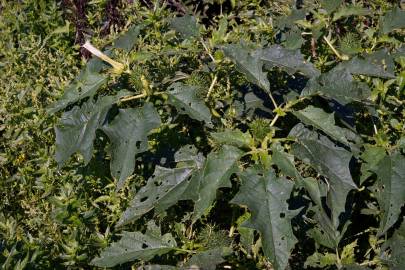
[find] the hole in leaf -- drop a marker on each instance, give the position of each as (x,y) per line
(282,215)
(143,199)
(144,245)
(138,144)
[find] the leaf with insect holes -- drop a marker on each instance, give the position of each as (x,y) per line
(166,186)
(185,99)
(135,246)
(266,197)
(76,130)
(128,133)
(249,63)
(390,189)
(85,85)
(329,160)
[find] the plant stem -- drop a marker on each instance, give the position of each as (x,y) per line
(207,50)
(272,100)
(133,97)
(211,87)
(340,56)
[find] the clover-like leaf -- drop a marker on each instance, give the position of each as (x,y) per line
(128,137)
(266,197)
(185,99)
(135,246)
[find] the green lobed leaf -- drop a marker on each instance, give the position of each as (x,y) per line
(284,161)
(187,26)
(324,232)
(393,19)
(266,197)
(85,85)
(294,39)
(331,5)
(76,129)
(289,21)
(377,64)
(249,63)
(127,40)
(338,85)
(319,260)
(233,137)
(165,188)
(215,174)
(321,120)
(290,61)
(128,137)
(393,250)
(135,246)
(208,259)
(372,155)
(329,160)
(390,189)
(351,10)
(185,99)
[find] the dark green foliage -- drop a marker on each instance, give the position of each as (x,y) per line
(249,135)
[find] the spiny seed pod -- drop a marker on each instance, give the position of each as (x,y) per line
(350,43)
(212,238)
(200,81)
(260,128)
(135,78)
